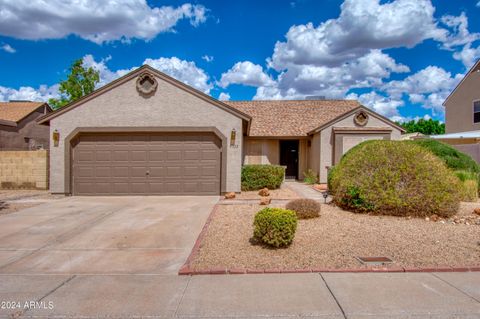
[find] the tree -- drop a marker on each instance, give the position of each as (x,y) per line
(427,127)
(80,82)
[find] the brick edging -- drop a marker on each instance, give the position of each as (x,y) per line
(239,271)
(185,269)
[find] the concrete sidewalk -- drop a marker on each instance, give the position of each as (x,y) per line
(325,295)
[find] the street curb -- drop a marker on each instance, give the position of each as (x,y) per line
(241,271)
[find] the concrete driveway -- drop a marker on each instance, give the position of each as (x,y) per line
(103,235)
(117,257)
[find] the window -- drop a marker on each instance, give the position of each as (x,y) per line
(476,112)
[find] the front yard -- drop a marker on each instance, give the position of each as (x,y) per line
(336,238)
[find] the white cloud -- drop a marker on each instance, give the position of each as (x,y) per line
(97,21)
(478,4)
(224,97)
(7,48)
(207,58)
(383,105)
(428,87)
(468,55)
(362,25)
(42,94)
(185,71)
(460,34)
(332,82)
(246,73)
(182,70)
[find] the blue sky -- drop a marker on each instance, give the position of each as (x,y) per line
(400,57)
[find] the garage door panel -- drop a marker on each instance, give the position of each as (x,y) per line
(117,164)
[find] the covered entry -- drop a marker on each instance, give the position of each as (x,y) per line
(146,163)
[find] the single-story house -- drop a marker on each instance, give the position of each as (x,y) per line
(19,129)
(147,133)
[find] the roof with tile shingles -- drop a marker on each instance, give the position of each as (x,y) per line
(291,117)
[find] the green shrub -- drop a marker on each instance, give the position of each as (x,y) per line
(395,178)
(310,177)
(255,177)
(469,190)
(452,157)
(330,174)
(305,208)
(275,226)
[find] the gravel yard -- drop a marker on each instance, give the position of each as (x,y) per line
(283,192)
(334,239)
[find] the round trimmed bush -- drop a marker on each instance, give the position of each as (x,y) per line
(395,178)
(305,208)
(275,226)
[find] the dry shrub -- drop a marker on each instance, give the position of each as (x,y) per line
(469,191)
(304,208)
(395,178)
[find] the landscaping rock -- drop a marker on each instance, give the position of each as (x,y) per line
(265,201)
(476,211)
(264,192)
(230,195)
(434,218)
(321,187)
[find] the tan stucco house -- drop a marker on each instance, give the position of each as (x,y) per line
(462,115)
(147,133)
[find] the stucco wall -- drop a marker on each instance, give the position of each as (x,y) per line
(327,140)
(261,151)
(24,169)
(12,138)
(459,107)
(124,107)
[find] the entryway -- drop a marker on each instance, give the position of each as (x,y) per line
(289,158)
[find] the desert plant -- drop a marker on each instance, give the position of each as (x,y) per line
(275,226)
(469,190)
(255,177)
(395,178)
(310,177)
(305,208)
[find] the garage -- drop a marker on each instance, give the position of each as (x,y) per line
(146,163)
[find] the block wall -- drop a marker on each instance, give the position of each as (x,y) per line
(24,169)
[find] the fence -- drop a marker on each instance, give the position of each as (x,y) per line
(24,169)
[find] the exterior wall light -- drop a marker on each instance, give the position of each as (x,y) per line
(233,137)
(55,138)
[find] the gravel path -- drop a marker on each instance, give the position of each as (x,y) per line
(334,239)
(14,200)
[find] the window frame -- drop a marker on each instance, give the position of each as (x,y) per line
(473,111)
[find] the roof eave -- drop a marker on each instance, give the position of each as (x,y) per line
(475,65)
(348,113)
(129,76)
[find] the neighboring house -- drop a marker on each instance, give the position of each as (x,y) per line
(18,127)
(462,115)
(147,133)
(412,136)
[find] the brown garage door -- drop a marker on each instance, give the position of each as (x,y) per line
(146,164)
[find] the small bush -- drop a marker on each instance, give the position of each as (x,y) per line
(275,227)
(310,177)
(395,178)
(304,208)
(255,177)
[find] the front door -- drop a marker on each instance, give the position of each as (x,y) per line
(289,158)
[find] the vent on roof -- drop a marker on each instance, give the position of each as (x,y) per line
(315,97)
(19,101)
